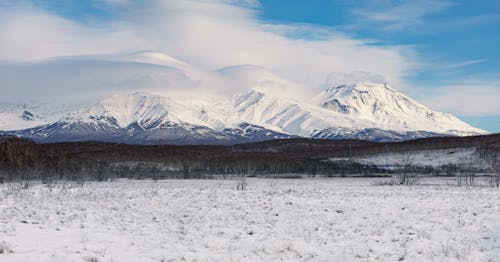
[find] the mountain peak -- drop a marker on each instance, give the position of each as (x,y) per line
(139,94)
(126,108)
(347,89)
(388,108)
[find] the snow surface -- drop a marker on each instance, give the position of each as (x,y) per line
(274,219)
(28,115)
(434,158)
(144,109)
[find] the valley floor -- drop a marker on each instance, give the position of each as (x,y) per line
(338,219)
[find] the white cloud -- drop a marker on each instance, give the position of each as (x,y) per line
(467,100)
(339,78)
(30,34)
(209,34)
(84,80)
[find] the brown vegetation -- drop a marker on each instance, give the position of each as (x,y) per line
(20,158)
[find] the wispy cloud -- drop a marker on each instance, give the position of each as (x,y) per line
(463,63)
(440,70)
(399,15)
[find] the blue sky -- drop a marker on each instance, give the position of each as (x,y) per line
(446,54)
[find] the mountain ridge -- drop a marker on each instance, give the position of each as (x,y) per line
(368,111)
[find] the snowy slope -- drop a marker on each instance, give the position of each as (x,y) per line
(434,158)
(389,109)
(287,115)
(145,109)
(22,116)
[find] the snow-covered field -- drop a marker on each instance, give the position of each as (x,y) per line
(434,158)
(339,219)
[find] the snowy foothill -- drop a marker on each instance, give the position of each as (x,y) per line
(337,219)
(422,158)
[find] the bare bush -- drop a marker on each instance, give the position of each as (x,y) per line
(386,182)
(495,167)
(407,179)
(25,184)
(5,248)
(466,174)
(14,188)
(242,184)
(91,259)
(406,176)
(491,156)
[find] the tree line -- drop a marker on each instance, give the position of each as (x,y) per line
(24,159)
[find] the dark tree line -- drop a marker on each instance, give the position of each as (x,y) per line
(24,159)
(349,147)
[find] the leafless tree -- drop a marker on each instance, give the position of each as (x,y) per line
(406,176)
(494,161)
(466,173)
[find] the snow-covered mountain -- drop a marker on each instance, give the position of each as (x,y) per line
(144,118)
(389,109)
(30,114)
(365,111)
(261,106)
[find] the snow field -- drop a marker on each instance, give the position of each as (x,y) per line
(433,158)
(339,219)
